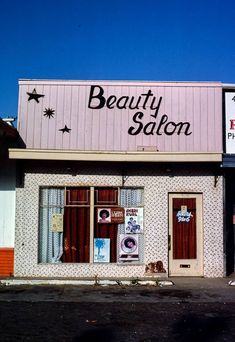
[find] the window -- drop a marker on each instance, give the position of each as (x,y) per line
(50,243)
(74,222)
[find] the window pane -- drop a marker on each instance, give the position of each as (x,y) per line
(107,230)
(77,225)
(106,196)
(132,197)
(51,197)
(77,196)
(50,243)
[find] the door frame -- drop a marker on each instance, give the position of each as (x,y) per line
(186,267)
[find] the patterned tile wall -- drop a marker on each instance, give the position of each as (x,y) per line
(157,183)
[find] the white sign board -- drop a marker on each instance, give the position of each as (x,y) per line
(229,122)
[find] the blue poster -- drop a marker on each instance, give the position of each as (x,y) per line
(101,250)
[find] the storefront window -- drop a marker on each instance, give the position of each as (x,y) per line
(77,226)
(50,242)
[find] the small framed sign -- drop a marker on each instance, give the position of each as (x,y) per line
(117,215)
(104,215)
(110,215)
(57,223)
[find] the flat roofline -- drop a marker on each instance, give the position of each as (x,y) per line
(228,85)
(107,156)
(121,82)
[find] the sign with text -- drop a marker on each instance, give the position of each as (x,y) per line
(134,220)
(117,215)
(121,116)
(229,121)
(110,215)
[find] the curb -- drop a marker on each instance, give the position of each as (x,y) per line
(131,282)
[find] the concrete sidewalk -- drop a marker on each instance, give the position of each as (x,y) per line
(175,290)
(185,282)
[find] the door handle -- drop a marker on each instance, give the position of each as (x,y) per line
(169,242)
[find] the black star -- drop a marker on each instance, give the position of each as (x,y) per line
(49,112)
(34,96)
(65,129)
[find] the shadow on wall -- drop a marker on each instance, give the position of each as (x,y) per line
(230,222)
(7,175)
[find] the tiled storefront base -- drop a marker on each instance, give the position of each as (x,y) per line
(157,183)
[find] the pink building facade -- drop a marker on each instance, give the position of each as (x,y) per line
(148,154)
(121,116)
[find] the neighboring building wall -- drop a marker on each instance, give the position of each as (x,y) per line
(7,203)
(7,217)
(157,185)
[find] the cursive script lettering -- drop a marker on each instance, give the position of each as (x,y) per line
(161,125)
(97,100)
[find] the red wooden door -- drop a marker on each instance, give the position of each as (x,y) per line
(185,235)
(184,228)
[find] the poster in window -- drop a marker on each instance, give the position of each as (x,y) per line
(117,215)
(101,250)
(129,247)
(104,215)
(133,220)
(57,223)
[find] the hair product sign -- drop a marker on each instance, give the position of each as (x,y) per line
(129,247)
(104,215)
(229,121)
(133,220)
(110,215)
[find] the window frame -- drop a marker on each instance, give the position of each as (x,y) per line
(92,205)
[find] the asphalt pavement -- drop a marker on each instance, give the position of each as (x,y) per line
(178,309)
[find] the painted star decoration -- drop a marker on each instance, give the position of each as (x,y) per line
(49,113)
(34,96)
(65,129)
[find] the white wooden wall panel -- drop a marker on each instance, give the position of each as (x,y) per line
(7,205)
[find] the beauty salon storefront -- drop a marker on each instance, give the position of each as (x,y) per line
(119,179)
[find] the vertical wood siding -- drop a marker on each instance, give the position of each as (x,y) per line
(106,129)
